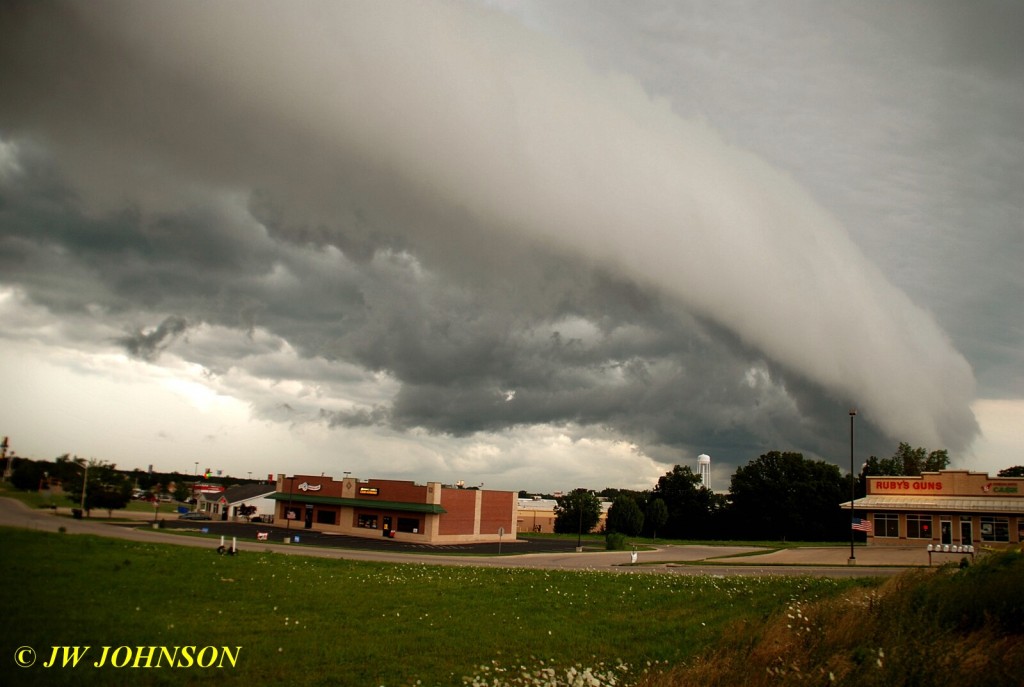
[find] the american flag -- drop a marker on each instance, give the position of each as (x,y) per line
(862,525)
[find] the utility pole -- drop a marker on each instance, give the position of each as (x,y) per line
(9,462)
(85,481)
(853,557)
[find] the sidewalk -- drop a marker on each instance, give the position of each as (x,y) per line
(904,556)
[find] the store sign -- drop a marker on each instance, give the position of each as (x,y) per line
(208,488)
(905,485)
(369,491)
(305,486)
(1001,488)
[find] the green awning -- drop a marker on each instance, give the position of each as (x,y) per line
(402,506)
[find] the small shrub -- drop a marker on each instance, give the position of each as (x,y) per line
(615,541)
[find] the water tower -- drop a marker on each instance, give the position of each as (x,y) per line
(704,470)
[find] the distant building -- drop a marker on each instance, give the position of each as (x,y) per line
(951,507)
(538,515)
(429,513)
(225,504)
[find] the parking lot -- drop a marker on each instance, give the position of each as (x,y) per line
(278,534)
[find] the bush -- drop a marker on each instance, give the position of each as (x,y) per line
(615,541)
(986,594)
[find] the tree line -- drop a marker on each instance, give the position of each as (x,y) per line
(780,496)
(105,486)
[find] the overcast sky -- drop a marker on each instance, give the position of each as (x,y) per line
(529,245)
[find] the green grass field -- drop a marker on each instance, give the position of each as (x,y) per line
(304,621)
(55,497)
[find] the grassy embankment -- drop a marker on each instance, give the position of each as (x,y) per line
(934,627)
(303,621)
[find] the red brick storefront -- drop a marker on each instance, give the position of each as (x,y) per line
(429,513)
(947,508)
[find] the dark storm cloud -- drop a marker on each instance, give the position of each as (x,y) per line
(147,344)
(362,417)
(435,195)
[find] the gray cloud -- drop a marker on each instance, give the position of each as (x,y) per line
(385,191)
(148,343)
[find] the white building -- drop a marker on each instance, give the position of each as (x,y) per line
(225,505)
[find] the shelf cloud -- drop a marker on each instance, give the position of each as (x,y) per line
(429,220)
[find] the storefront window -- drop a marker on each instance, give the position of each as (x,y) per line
(408,524)
(919,526)
(995,529)
(326,517)
(369,521)
(887,525)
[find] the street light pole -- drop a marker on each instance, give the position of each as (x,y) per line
(8,462)
(85,481)
(853,558)
(579,537)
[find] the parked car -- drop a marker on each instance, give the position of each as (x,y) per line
(262,518)
(195,515)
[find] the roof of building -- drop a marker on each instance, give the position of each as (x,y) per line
(537,504)
(242,492)
(943,504)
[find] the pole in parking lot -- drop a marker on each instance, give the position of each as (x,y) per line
(853,557)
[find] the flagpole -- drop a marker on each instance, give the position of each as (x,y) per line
(853,557)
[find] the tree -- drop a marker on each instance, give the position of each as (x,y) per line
(656,516)
(112,497)
(577,512)
(786,496)
(907,461)
(692,508)
(1015,471)
(28,475)
(625,516)
(937,460)
(105,487)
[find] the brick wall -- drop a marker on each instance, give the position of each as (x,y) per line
(498,509)
(460,517)
(328,487)
(393,490)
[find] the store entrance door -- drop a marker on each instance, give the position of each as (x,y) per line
(387,526)
(966,533)
(946,528)
(309,516)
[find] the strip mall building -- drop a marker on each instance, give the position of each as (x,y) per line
(953,507)
(429,513)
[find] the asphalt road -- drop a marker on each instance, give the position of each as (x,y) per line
(524,553)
